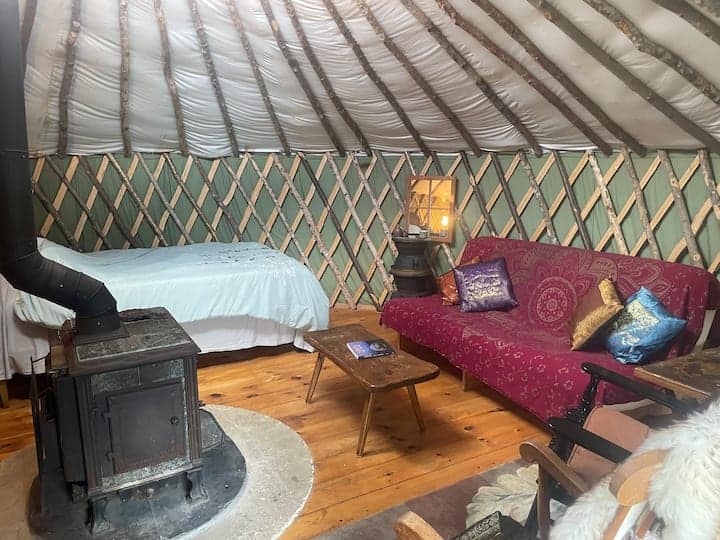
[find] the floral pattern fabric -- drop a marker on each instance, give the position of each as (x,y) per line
(525,353)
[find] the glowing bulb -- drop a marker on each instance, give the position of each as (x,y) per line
(444,221)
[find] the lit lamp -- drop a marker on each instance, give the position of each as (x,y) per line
(429,203)
(444,225)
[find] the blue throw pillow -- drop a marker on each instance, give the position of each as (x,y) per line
(643,328)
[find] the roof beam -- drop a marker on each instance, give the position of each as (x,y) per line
(432,95)
(124,76)
(712,6)
(375,78)
(169,77)
(526,75)
(644,44)
(630,80)
(210,66)
(549,66)
(67,78)
(259,80)
(324,80)
(304,84)
(28,21)
(474,76)
(696,18)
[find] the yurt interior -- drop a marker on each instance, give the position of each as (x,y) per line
(360,269)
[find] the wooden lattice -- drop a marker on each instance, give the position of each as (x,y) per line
(663,206)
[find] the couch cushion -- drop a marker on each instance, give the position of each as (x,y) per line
(613,426)
(535,369)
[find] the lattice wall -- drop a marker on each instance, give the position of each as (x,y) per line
(336,213)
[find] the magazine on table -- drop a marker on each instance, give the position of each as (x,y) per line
(370,348)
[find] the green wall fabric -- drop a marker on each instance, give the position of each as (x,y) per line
(69,223)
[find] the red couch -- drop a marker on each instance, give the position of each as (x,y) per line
(525,353)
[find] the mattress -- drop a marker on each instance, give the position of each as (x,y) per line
(227,296)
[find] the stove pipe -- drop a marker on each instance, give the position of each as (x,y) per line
(20,262)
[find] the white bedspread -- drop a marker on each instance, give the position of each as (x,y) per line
(20,342)
(194,282)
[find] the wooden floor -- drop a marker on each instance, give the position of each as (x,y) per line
(467,432)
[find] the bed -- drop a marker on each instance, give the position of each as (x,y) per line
(226,296)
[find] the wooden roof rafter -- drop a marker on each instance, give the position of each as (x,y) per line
(616,68)
(502,55)
(210,66)
(67,78)
(415,74)
(169,77)
(703,24)
(300,76)
(711,6)
(324,79)
(474,76)
(257,73)
(550,67)
(646,45)
(375,78)
(124,76)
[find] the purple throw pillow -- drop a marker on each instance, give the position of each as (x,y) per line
(485,286)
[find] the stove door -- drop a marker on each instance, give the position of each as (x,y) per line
(147,426)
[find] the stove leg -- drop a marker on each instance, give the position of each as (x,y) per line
(195,487)
(77,492)
(98,520)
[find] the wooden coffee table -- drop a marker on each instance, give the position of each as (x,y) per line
(380,374)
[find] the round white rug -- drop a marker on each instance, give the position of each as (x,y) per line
(279,479)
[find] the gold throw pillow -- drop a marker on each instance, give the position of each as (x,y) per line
(594,312)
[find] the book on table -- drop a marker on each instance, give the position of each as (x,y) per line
(370,348)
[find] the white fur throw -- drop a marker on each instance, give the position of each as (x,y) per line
(684,492)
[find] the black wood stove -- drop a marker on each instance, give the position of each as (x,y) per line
(121,423)
(137,406)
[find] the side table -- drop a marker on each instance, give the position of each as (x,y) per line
(696,375)
(413,276)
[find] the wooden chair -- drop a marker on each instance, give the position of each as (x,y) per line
(588,443)
(630,485)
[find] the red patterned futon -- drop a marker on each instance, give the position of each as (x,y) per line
(525,353)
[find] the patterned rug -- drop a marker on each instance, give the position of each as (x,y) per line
(509,488)
(279,479)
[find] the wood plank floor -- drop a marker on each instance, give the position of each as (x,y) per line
(467,432)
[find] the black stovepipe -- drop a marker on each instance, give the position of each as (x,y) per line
(20,262)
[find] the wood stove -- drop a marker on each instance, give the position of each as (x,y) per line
(127,412)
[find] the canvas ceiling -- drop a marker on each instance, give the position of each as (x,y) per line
(93,80)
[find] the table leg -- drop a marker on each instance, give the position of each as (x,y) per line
(367,415)
(315,377)
(416,406)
